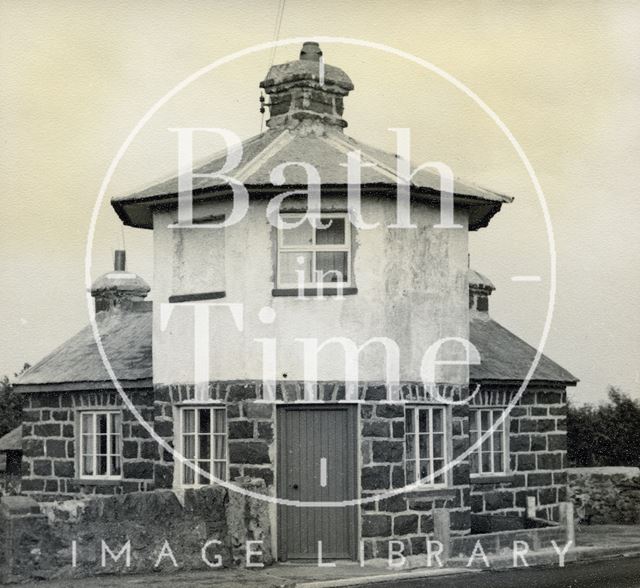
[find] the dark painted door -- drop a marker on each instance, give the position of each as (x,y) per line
(317,462)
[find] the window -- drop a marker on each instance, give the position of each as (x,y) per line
(204,444)
(308,256)
(490,457)
(100,437)
(426,445)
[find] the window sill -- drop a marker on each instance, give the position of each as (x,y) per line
(480,479)
(316,292)
(432,493)
(98,482)
(198,296)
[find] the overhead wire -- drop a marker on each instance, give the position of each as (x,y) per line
(276,36)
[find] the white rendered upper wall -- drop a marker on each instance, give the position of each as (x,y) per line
(412,289)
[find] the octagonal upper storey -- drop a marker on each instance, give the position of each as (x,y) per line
(406,284)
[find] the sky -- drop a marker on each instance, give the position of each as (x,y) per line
(75,77)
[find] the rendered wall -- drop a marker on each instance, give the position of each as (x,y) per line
(412,288)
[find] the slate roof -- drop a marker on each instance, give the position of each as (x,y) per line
(326,150)
(126,336)
(506,357)
(76,364)
(12,441)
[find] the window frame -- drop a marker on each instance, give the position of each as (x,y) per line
(476,414)
(182,464)
(446,432)
(313,249)
(110,455)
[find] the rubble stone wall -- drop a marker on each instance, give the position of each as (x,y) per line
(606,495)
(132,533)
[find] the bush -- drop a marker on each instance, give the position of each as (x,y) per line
(10,407)
(605,435)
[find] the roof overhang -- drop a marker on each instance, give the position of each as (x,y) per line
(533,383)
(82,386)
(138,211)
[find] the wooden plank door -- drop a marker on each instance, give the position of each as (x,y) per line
(317,462)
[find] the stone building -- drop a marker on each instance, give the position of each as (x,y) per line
(403,449)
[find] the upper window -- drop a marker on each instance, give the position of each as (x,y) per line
(204,444)
(426,445)
(491,456)
(309,256)
(100,436)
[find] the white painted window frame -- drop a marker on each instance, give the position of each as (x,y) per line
(313,249)
(110,455)
(476,414)
(181,465)
(446,428)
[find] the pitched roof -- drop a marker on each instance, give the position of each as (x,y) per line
(127,336)
(76,364)
(12,441)
(506,357)
(326,150)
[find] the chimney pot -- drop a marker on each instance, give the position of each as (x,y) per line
(310,51)
(120,260)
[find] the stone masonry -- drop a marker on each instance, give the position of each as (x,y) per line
(51,444)
(160,530)
(252,452)
(406,516)
(606,495)
(537,447)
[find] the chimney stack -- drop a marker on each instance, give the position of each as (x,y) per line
(480,288)
(306,94)
(119,288)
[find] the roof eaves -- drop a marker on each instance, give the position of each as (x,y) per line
(85,386)
(169,200)
(532,382)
